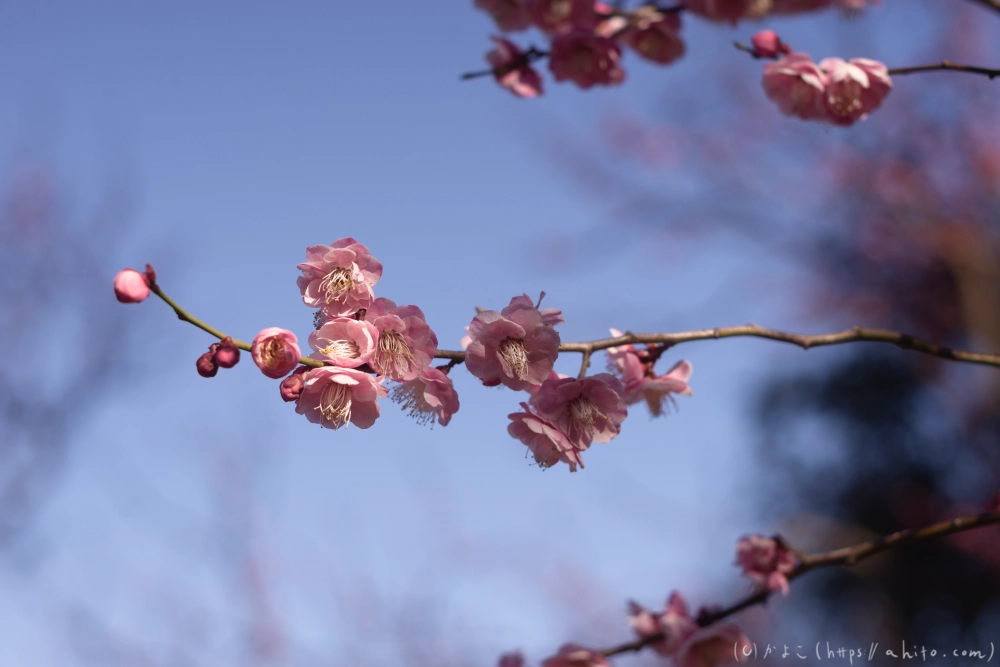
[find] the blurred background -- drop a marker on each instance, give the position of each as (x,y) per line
(152,517)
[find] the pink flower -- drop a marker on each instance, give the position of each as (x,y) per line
(674,623)
(430,397)
(131,286)
(339,277)
(587,410)
(571,655)
(291,386)
(765,561)
(546,441)
(332,397)
(642,383)
(767,44)
(406,345)
(854,89)
(585,59)
(797,85)
(514,347)
(344,342)
(654,37)
(510,15)
(561,15)
(512,71)
(515,659)
(276,352)
(716,644)
(721,10)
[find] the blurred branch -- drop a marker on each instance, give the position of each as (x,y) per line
(990,4)
(847,556)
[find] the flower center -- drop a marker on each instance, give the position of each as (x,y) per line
(583,414)
(339,349)
(272,353)
(514,357)
(558,11)
(391,347)
(336,284)
(335,404)
(410,397)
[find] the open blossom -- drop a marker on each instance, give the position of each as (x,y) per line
(641,383)
(430,397)
(654,36)
(571,655)
(276,352)
(514,347)
(511,69)
(344,342)
(797,85)
(332,397)
(510,15)
(561,15)
(339,277)
(586,59)
(406,345)
(588,409)
(767,44)
(854,88)
(131,286)
(674,622)
(766,561)
(546,441)
(721,10)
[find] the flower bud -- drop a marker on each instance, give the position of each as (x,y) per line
(291,386)
(206,365)
(276,352)
(767,44)
(227,354)
(131,286)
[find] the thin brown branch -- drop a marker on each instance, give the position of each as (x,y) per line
(847,556)
(805,341)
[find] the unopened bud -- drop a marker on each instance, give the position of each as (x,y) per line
(227,354)
(291,386)
(131,286)
(206,365)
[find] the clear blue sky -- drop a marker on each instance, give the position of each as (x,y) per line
(247,131)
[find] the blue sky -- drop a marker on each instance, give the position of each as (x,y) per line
(244,134)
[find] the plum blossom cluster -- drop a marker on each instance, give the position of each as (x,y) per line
(832,91)
(586,38)
(766,561)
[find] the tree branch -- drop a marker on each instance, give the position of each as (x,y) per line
(847,556)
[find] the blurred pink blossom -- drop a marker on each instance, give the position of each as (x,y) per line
(546,441)
(406,345)
(515,659)
(589,409)
(767,44)
(654,36)
(674,622)
(720,10)
(514,347)
(561,15)
(344,342)
(430,397)
(765,561)
(131,286)
(511,69)
(641,382)
(854,89)
(275,351)
(571,655)
(797,85)
(332,397)
(339,277)
(510,15)
(585,59)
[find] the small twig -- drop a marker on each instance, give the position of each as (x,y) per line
(847,556)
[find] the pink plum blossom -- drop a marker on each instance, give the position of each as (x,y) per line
(654,36)
(406,345)
(767,44)
(642,383)
(514,347)
(571,655)
(511,69)
(561,15)
(721,10)
(339,277)
(430,397)
(586,59)
(332,397)
(766,561)
(291,386)
(797,85)
(344,342)
(131,286)
(854,88)
(510,15)
(275,351)
(683,640)
(674,622)
(546,441)
(588,409)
